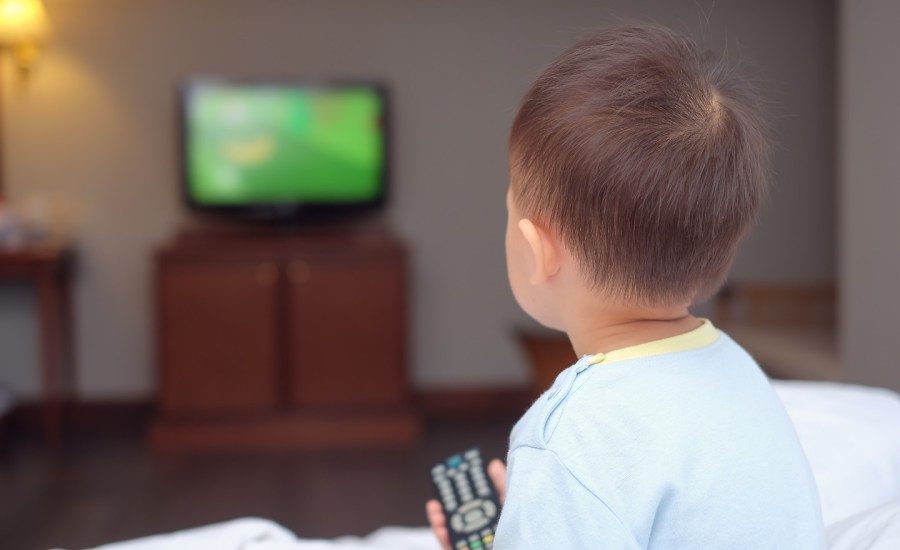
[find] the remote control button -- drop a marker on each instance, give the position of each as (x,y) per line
(457,523)
(438,470)
(490,510)
(471,506)
(460,485)
(472,454)
(463,467)
(474,515)
(487,533)
(478,524)
(462,545)
(454,461)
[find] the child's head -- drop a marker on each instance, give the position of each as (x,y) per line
(645,159)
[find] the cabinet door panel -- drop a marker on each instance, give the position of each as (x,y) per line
(346,325)
(219,336)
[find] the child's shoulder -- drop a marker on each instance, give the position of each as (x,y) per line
(665,432)
(644,399)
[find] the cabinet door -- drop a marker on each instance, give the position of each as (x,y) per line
(346,325)
(219,336)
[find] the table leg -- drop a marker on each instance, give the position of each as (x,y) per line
(50,300)
(67,336)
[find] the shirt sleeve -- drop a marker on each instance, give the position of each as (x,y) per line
(548,507)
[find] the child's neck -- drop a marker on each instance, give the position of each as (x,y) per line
(602,333)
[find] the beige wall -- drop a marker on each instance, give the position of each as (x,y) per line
(869,148)
(97,122)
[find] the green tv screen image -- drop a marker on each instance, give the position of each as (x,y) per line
(271,144)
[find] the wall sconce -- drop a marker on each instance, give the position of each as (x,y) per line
(23,25)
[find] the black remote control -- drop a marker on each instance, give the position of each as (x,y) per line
(470,500)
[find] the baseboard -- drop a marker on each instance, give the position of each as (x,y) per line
(5,429)
(136,415)
(120,415)
(468,403)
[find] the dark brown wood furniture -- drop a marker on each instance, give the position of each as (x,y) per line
(48,266)
(549,353)
(789,328)
(293,340)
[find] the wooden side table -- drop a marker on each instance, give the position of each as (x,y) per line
(49,267)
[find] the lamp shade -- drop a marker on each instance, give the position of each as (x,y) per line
(22,21)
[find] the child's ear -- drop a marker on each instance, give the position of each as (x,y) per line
(544,248)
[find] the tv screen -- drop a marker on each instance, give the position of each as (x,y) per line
(257,145)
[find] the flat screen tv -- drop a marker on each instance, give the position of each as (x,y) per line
(283,150)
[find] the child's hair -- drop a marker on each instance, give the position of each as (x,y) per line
(647,156)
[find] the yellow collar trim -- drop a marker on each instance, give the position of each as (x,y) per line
(702,336)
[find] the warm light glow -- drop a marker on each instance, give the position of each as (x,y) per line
(22,21)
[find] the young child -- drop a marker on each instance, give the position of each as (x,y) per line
(637,165)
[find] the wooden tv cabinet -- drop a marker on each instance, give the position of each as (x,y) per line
(282,341)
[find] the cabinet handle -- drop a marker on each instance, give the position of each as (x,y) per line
(266,274)
(299,272)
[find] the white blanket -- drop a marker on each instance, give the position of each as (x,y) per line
(262,534)
(851,435)
(877,529)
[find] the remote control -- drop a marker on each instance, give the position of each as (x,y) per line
(470,500)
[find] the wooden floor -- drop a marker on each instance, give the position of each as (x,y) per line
(110,487)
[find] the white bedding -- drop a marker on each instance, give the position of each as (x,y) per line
(876,529)
(262,534)
(851,435)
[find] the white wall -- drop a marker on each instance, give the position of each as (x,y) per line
(97,121)
(869,148)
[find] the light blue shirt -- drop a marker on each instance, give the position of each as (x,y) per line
(682,450)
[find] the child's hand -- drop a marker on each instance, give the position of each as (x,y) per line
(497,472)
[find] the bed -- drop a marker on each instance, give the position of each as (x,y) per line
(851,435)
